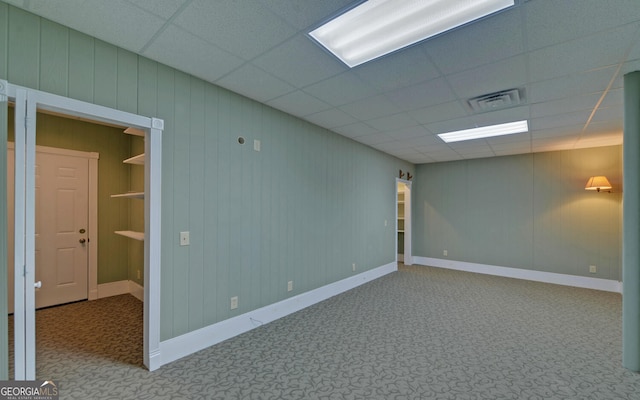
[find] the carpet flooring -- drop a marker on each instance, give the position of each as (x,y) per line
(420,333)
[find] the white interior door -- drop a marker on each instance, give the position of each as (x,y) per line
(62,209)
(61,256)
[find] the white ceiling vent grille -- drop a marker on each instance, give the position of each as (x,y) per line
(497,101)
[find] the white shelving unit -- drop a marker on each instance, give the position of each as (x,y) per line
(135,160)
(400,233)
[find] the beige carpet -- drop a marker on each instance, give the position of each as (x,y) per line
(420,333)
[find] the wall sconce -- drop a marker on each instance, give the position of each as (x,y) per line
(598,183)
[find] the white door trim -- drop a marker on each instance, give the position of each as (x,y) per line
(153,177)
(408,258)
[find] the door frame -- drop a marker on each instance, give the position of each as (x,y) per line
(408,258)
(27,102)
(92,216)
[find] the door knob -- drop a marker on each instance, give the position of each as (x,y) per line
(82,240)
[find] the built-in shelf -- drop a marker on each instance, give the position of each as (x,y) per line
(400,231)
(134,131)
(130,195)
(138,160)
(131,234)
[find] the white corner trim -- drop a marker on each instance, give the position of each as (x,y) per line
(606,285)
(136,290)
(118,288)
(113,289)
(183,345)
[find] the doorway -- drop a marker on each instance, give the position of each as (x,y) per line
(27,103)
(403,221)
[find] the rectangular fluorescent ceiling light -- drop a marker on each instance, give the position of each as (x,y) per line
(486,131)
(379,27)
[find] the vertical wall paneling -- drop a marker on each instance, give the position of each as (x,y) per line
(127,84)
(226,170)
(166,111)
(81,66)
(54,56)
(106,74)
(4,35)
(528,211)
(181,190)
(210,206)
(23,49)
(196,140)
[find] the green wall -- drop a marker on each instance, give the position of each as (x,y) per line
(304,208)
(526,211)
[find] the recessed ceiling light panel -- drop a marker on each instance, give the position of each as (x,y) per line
(379,27)
(509,128)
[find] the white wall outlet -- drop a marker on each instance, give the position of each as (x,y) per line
(353,266)
(184,239)
(256,145)
(593,269)
(234,302)
(289,286)
(445,253)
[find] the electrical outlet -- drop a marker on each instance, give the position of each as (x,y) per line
(234,302)
(593,269)
(256,145)
(445,253)
(353,266)
(289,286)
(138,274)
(184,239)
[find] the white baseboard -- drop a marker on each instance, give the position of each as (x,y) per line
(527,274)
(120,287)
(189,343)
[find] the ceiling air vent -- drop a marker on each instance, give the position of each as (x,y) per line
(497,101)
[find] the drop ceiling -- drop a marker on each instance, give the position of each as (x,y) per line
(566,58)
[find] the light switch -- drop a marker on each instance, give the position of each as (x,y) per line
(256,145)
(184,239)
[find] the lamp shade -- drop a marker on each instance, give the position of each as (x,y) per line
(598,183)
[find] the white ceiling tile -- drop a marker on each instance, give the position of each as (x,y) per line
(523,147)
(162,8)
(614,98)
(571,84)
(484,42)
(300,62)
(398,70)
(254,83)
(552,22)
(422,95)
(245,28)
(439,112)
(584,54)
(115,21)
(306,14)
(355,130)
(411,132)
(516,139)
(558,121)
(373,139)
(566,105)
(205,60)
(299,103)
(552,144)
(392,122)
(331,118)
(341,89)
(370,108)
(506,74)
